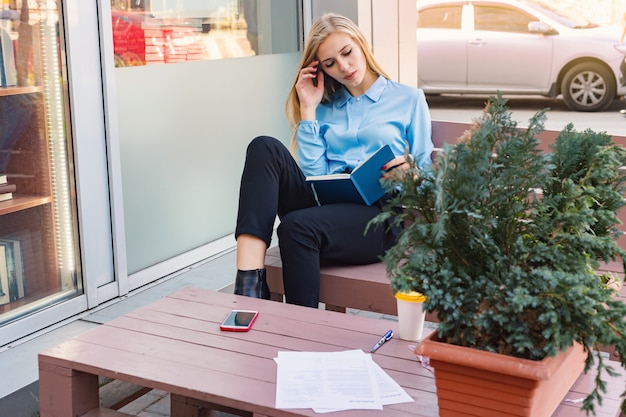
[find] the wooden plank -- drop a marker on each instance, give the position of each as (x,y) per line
(189,407)
(225,302)
(105,412)
(361,287)
(340,332)
(583,385)
(9,91)
(259,345)
(21,202)
(444,132)
(116,394)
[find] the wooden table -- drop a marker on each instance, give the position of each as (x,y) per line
(175,345)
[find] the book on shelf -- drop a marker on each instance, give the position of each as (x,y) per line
(6,191)
(7,188)
(3,178)
(4,278)
(361,186)
(8,69)
(15,267)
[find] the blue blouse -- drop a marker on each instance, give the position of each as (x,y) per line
(348,129)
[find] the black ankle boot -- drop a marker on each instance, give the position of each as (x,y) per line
(252,284)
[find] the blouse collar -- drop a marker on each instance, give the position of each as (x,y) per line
(373,93)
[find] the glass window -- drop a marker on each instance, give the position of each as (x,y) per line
(168,31)
(39,258)
(500,19)
(447,17)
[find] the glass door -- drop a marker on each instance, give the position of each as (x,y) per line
(39,256)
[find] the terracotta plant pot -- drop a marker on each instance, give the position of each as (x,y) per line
(471,382)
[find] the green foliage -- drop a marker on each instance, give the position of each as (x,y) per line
(504,239)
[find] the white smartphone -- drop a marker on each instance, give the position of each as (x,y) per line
(239,320)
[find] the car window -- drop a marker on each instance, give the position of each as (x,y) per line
(500,19)
(566,17)
(447,17)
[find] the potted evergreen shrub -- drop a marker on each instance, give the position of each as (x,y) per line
(504,240)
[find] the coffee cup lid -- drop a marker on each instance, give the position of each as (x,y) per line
(412,296)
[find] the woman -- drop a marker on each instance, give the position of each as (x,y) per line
(343,108)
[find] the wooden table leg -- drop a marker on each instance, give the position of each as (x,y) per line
(64,392)
(338,309)
(181,406)
(274,296)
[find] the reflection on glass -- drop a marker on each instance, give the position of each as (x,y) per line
(501,19)
(252,26)
(445,17)
(167,31)
(38,246)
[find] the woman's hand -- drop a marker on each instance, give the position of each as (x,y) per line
(310,89)
(396,168)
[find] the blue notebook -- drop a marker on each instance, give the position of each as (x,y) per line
(361,186)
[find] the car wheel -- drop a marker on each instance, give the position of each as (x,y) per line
(588,86)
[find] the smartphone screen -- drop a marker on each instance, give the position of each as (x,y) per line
(239,320)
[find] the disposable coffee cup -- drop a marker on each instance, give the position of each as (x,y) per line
(411,315)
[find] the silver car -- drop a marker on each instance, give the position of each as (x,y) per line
(518,47)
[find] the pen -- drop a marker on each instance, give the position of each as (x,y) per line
(382,340)
(391,168)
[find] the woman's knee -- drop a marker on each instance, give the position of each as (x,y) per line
(295,229)
(286,227)
(267,148)
(263,142)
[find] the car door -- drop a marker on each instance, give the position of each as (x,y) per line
(504,55)
(441,48)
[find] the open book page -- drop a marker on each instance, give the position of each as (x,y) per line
(362,186)
(328,177)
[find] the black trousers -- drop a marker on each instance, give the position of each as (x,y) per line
(308,235)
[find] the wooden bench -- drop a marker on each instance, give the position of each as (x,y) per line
(174,344)
(105,412)
(366,287)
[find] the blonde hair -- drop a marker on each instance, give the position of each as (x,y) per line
(324,26)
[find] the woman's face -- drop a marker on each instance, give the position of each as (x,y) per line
(342,59)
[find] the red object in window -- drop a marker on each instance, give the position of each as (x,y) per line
(129,39)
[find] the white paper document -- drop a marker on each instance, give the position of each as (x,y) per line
(332,381)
